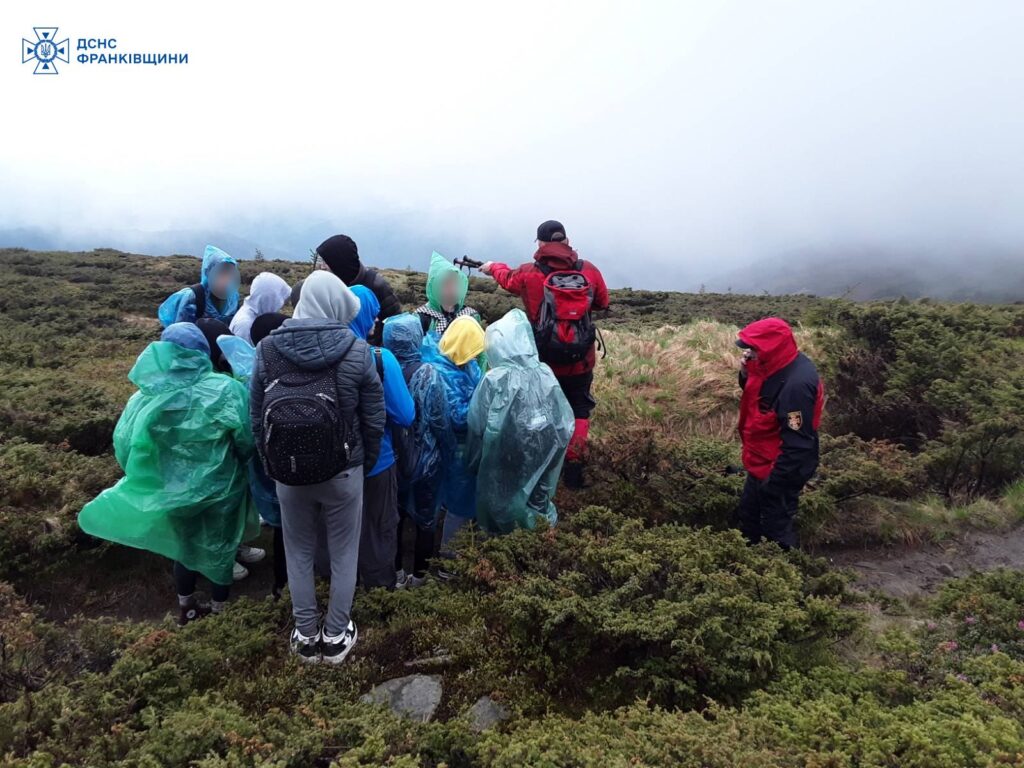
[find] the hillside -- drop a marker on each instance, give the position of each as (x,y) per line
(641,631)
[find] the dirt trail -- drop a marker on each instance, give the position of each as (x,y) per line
(914,572)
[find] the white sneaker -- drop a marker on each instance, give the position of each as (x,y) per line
(239,572)
(400,579)
(305,648)
(333,650)
(247,554)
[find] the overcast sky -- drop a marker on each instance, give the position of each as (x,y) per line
(672,138)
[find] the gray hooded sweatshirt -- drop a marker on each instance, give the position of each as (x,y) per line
(318,337)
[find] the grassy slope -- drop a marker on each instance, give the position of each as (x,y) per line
(568,628)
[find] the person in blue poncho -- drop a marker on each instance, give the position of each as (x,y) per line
(453,358)
(403,336)
(378,538)
(214,296)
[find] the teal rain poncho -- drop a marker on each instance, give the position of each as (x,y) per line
(184,442)
(180,307)
(518,427)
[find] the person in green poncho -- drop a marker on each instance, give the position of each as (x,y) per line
(183,441)
(447,286)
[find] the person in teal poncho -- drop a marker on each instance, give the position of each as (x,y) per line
(518,427)
(184,442)
(447,286)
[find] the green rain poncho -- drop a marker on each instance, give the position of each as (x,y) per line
(184,442)
(518,428)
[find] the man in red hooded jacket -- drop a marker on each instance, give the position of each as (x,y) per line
(780,411)
(554,255)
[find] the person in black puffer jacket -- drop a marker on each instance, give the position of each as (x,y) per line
(315,339)
(340,254)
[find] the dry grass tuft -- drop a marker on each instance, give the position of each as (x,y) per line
(678,380)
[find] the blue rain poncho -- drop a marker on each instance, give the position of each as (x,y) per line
(403,335)
(518,427)
(241,356)
(183,441)
(443,390)
(397,401)
(180,307)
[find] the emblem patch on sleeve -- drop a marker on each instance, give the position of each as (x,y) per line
(795,420)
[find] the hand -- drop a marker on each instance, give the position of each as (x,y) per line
(486,267)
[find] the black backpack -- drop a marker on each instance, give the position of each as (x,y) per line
(403,439)
(199,292)
(305,435)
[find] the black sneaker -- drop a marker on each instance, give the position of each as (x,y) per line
(189,613)
(333,650)
(305,648)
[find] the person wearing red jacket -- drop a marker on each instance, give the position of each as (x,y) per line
(554,255)
(780,412)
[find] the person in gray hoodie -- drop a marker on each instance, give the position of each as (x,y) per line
(316,339)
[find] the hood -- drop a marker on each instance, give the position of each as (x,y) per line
(557,255)
(774,343)
(164,366)
(366,317)
(325,297)
(403,335)
(441,270)
(463,341)
(187,335)
(313,344)
(214,257)
(239,355)
(268,293)
(510,341)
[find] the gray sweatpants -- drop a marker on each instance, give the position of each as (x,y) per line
(339,502)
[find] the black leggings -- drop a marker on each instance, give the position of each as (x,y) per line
(185,582)
(280,563)
(423,548)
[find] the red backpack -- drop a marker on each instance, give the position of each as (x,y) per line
(565,331)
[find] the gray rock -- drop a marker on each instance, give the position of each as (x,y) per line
(415,696)
(945,569)
(486,713)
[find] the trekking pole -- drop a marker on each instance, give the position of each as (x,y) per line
(467,263)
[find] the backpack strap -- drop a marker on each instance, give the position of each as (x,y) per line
(378,358)
(199,293)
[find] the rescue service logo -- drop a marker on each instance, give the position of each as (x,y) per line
(44,50)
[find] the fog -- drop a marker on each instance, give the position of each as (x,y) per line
(730,144)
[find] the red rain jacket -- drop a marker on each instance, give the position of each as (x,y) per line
(527,282)
(780,410)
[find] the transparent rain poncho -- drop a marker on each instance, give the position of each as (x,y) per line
(184,443)
(518,427)
(442,391)
(241,356)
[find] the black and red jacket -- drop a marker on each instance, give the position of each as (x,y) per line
(780,410)
(527,282)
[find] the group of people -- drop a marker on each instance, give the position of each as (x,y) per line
(350,426)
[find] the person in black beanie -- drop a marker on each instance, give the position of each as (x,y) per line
(340,255)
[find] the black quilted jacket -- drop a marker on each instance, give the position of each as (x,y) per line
(313,345)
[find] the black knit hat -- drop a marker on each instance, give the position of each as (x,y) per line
(341,255)
(551,232)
